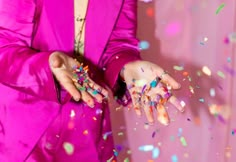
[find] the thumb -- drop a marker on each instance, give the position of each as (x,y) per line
(56,60)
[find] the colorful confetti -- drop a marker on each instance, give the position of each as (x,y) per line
(144,45)
(146,148)
(206,70)
(212,92)
(178,68)
(220,8)
(183,141)
(68,147)
(221,74)
(174,158)
(155,153)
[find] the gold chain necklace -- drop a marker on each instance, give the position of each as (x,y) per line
(80,8)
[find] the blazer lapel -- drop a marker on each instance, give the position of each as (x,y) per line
(100,20)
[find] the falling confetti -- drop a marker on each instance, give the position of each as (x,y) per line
(206,70)
(220,8)
(72,113)
(182,103)
(233,132)
(146,148)
(183,141)
(201,100)
(68,147)
(221,74)
(180,131)
(155,153)
(174,158)
(143,45)
(178,68)
(126,159)
(212,92)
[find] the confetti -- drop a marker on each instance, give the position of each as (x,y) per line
(221,74)
(212,92)
(85,132)
(116,153)
(143,45)
(72,113)
(155,153)
(220,8)
(201,100)
(146,148)
(68,147)
(178,68)
(180,131)
(126,159)
(105,135)
(206,70)
(140,83)
(174,158)
(232,37)
(182,103)
(153,84)
(183,141)
(99,111)
(233,132)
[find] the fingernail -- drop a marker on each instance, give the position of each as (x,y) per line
(99,101)
(91,106)
(76,99)
(179,86)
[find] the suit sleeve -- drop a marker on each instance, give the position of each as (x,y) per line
(122,47)
(22,67)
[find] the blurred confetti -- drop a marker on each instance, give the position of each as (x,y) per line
(144,45)
(69,148)
(220,8)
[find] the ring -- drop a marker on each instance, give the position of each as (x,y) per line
(162,74)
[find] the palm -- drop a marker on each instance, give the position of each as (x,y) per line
(62,67)
(142,79)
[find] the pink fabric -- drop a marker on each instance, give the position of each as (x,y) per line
(29,98)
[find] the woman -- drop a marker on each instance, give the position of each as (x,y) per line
(50,109)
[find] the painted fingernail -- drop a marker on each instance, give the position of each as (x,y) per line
(77,98)
(91,106)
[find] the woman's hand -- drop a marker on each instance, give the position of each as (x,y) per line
(150,87)
(64,70)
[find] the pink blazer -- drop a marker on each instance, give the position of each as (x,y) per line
(30,30)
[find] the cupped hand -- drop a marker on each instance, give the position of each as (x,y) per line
(150,88)
(65,70)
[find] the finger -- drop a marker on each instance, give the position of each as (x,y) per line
(162,115)
(56,60)
(167,96)
(136,100)
(69,86)
(174,101)
(85,96)
(98,88)
(167,79)
(148,109)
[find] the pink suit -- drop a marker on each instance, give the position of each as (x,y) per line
(34,111)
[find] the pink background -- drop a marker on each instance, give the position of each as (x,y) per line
(190,34)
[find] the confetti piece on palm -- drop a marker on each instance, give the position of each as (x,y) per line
(220,8)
